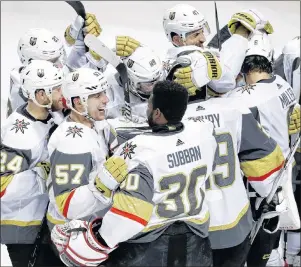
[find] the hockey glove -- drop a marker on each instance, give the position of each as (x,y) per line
(80,244)
(271,212)
(125,46)
(294,125)
(75,31)
(250,19)
(199,71)
(109,177)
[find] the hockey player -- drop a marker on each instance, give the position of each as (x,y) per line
(144,69)
(272,102)
(77,148)
(39,44)
(24,138)
(240,143)
(161,205)
(186,28)
(143,65)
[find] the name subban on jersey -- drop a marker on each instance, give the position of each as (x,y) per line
(184,156)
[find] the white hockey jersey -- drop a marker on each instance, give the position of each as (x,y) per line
(76,151)
(243,149)
(271,102)
(166,183)
(23,198)
(231,58)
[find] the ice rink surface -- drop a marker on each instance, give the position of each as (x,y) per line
(140,19)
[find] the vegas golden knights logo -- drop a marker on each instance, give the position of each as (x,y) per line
(40,73)
(130,63)
(75,76)
(32,41)
(152,63)
(172,15)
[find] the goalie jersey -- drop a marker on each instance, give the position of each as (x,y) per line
(166,183)
(242,146)
(76,151)
(23,196)
(271,102)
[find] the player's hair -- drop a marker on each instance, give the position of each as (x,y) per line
(256,63)
(171,98)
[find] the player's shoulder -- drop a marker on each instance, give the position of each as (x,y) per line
(22,132)
(292,47)
(71,137)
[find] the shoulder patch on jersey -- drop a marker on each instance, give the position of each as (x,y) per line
(247,88)
(20,125)
(74,131)
(128,150)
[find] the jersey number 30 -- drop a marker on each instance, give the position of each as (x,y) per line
(184,197)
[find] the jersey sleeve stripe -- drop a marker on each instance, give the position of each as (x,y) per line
(133,207)
(63,201)
(262,168)
(129,216)
(263,177)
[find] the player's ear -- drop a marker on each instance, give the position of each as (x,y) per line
(177,40)
(40,96)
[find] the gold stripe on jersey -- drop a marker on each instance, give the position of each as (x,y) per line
(132,208)
(200,221)
(54,221)
(20,223)
(234,223)
(261,169)
(298,149)
(5,181)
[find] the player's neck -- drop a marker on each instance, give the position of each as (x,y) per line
(254,77)
(80,119)
(39,113)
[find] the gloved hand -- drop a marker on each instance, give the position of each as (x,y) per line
(125,46)
(110,175)
(271,211)
(199,68)
(294,124)
(250,19)
(76,31)
(80,244)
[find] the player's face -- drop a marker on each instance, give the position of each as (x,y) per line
(57,99)
(150,112)
(196,38)
(97,106)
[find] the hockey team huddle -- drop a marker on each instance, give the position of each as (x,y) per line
(202,172)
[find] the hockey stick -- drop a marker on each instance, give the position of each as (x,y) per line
(38,241)
(100,48)
(80,10)
(278,182)
(217,28)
